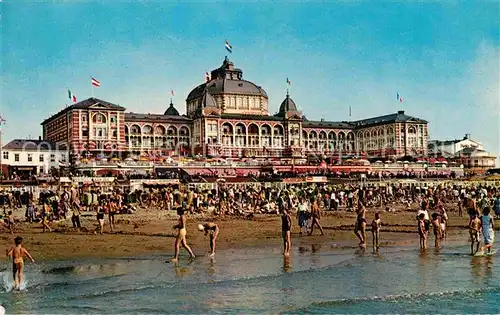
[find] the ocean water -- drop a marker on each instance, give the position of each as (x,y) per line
(316,279)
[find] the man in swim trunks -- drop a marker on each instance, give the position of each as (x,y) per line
(213,229)
(17,252)
(181,236)
(286,227)
(360,225)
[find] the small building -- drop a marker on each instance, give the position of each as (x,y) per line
(475,160)
(26,158)
(449,148)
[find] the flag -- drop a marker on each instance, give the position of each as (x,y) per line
(95,82)
(399,98)
(72,96)
(207,76)
(288,81)
(229,47)
(172,92)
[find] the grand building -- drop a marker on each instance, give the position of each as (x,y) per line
(228,116)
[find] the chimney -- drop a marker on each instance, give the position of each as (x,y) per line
(401,112)
(467,136)
(40,138)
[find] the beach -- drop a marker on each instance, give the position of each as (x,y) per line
(151,232)
(127,271)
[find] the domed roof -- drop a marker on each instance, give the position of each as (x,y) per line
(227,79)
(288,105)
(473,152)
(207,100)
(171,111)
(479,153)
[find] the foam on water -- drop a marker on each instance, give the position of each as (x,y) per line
(261,281)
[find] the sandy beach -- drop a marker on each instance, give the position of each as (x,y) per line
(150,232)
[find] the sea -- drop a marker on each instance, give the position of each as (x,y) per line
(316,279)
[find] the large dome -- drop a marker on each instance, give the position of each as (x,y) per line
(227,79)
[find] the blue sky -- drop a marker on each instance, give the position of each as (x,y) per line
(442,58)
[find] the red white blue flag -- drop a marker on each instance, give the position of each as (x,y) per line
(229,47)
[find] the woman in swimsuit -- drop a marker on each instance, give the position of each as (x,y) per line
(181,236)
(360,225)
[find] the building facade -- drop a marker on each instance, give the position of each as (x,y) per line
(26,157)
(91,125)
(228,116)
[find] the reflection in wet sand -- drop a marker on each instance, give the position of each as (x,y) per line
(287,267)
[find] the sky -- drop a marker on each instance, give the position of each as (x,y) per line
(442,58)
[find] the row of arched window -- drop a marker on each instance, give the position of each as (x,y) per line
(159,130)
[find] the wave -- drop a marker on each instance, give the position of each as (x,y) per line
(119,291)
(399,298)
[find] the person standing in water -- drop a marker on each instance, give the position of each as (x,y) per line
(422,231)
(213,229)
(376,224)
(286,227)
(17,253)
(181,236)
(436,224)
(360,225)
(488,228)
(474,232)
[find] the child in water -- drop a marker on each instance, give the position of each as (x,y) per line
(286,227)
(474,231)
(181,236)
(422,231)
(17,253)
(376,224)
(436,224)
(213,229)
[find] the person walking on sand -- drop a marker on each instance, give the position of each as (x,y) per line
(46,217)
(181,236)
(286,227)
(17,253)
(315,215)
(213,229)
(360,225)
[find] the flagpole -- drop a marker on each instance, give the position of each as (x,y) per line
(1,150)
(92,87)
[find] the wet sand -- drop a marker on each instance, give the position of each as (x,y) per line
(150,232)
